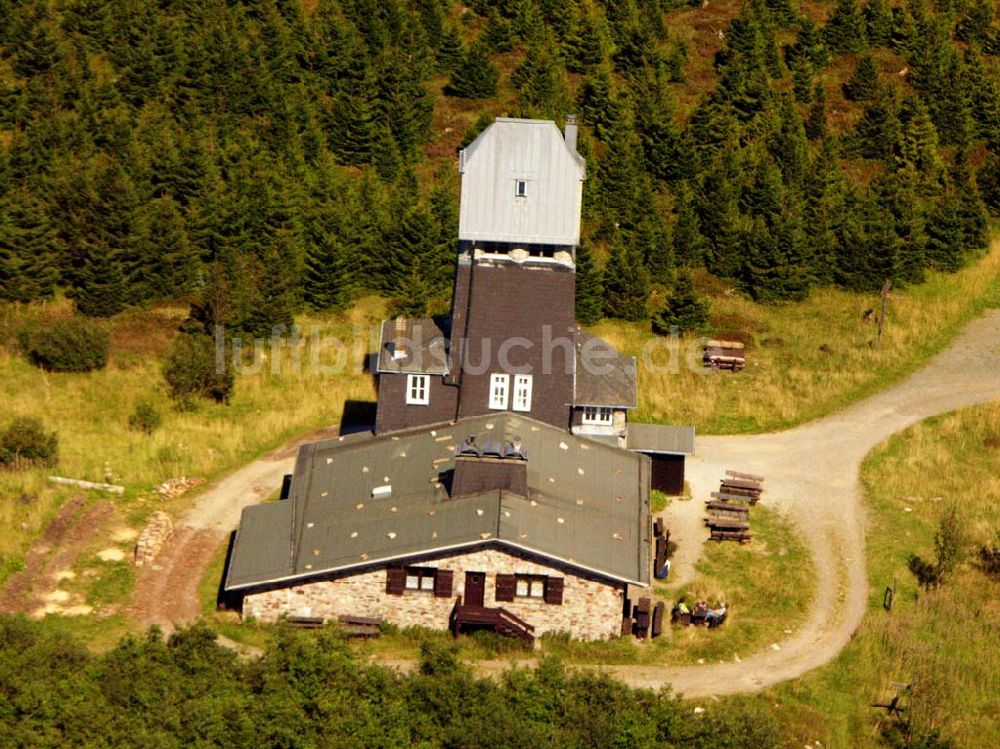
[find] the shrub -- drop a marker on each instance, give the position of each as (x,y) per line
(191,371)
(989,558)
(67,345)
(26,443)
(145,418)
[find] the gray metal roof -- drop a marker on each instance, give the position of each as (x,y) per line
(422,341)
(532,151)
(587,505)
(604,377)
(660,438)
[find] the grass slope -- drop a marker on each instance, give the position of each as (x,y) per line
(943,641)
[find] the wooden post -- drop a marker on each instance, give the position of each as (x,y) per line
(886,287)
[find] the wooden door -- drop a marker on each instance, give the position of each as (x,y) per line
(475,588)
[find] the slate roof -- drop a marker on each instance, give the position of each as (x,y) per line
(604,377)
(587,506)
(426,349)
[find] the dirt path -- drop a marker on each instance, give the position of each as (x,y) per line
(55,552)
(166,593)
(812,476)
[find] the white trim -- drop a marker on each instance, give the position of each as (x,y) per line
(499,391)
(437,550)
(418,389)
(520,188)
(522,392)
(598,416)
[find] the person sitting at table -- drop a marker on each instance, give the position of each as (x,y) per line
(714,617)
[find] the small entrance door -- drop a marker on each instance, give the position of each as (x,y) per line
(475,588)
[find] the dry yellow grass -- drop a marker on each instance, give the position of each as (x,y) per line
(806,359)
(90,412)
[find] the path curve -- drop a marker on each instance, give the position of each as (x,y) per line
(812,476)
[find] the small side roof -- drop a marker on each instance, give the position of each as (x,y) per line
(262,550)
(660,438)
(422,341)
(603,377)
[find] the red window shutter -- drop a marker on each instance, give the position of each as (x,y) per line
(554,590)
(443,582)
(506,585)
(395,581)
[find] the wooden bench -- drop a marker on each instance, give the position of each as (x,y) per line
(746,476)
(307,622)
(729,497)
(729,524)
(718,534)
(360,626)
(727,509)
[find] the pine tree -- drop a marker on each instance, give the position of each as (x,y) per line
(171,264)
(863,83)
(27,248)
(684,312)
(815,124)
(945,250)
(589,287)
(101,289)
(689,244)
(540,79)
(878,131)
(878,23)
(586,45)
(970,206)
(845,29)
(449,53)
(626,283)
(475,77)
(918,162)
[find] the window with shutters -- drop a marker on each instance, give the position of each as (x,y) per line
(529,586)
(415,580)
(522,392)
(417,390)
(498,391)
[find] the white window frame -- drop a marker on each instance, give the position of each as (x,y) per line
(418,389)
(522,392)
(598,416)
(520,188)
(499,390)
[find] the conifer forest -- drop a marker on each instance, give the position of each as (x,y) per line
(256,158)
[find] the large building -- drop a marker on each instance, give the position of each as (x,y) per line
(502,485)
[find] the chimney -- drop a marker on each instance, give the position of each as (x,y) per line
(571,132)
(398,351)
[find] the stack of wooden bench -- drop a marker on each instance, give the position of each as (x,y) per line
(729,508)
(725,355)
(662,536)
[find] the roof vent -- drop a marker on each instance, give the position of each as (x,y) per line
(492,449)
(469,447)
(515,449)
(380,492)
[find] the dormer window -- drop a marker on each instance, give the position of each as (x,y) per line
(597,416)
(520,188)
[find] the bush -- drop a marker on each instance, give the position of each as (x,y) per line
(989,558)
(67,345)
(145,418)
(191,371)
(26,443)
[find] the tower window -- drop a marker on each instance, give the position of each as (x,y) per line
(521,188)
(498,391)
(522,392)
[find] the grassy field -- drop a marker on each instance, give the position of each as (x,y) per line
(804,360)
(943,641)
(90,412)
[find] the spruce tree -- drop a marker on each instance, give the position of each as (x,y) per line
(540,79)
(626,282)
(845,29)
(878,23)
(776,267)
(27,248)
(918,161)
(689,244)
(475,77)
(815,123)
(863,83)
(685,311)
(589,287)
(945,250)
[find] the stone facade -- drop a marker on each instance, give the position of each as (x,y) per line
(591,608)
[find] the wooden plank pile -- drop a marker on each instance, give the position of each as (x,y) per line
(729,508)
(729,355)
